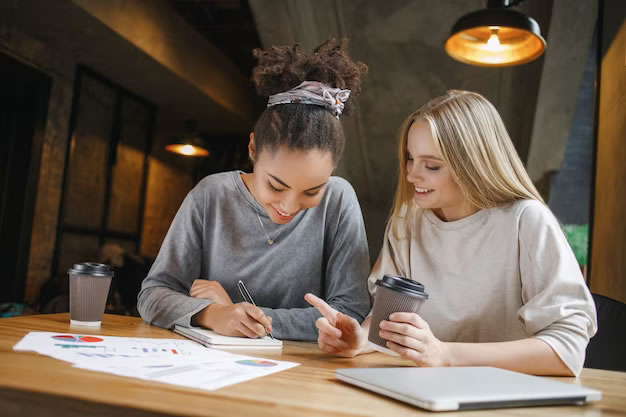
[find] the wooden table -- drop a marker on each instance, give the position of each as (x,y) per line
(33,385)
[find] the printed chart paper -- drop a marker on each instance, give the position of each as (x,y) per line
(172,361)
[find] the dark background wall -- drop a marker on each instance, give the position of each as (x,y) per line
(570,187)
(191,60)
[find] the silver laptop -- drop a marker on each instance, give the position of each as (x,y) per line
(442,389)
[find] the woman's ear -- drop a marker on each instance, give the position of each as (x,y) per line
(251,147)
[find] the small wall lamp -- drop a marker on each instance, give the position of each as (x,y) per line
(190,144)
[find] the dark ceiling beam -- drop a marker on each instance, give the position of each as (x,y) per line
(146,47)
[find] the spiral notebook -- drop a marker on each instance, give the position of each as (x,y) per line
(211,339)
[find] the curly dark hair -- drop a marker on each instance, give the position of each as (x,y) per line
(304,126)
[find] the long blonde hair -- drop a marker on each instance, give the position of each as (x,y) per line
(471,138)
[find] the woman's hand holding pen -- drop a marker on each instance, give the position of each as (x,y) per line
(339,334)
(241,319)
(210,290)
(226,318)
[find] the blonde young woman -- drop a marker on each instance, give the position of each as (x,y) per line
(505,289)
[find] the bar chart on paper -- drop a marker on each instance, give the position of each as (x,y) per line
(162,347)
(65,346)
(148,349)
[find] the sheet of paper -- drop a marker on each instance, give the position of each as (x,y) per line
(172,361)
(209,374)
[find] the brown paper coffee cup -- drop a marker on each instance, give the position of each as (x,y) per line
(393,294)
(89,289)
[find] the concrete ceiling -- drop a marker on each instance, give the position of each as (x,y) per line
(227,24)
(402,43)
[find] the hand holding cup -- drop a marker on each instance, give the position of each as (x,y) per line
(408,335)
(394,295)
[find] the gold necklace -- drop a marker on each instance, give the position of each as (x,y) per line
(270,241)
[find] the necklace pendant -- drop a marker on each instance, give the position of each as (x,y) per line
(270,241)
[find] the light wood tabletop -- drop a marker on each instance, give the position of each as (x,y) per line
(33,384)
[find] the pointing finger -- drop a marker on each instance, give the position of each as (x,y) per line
(326,310)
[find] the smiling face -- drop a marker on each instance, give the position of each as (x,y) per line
(287,181)
(435,188)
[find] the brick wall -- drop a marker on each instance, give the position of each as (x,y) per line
(170,177)
(61,69)
(169,180)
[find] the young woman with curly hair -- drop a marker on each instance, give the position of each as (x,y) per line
(286,229)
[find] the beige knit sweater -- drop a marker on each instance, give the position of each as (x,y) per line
(501,274)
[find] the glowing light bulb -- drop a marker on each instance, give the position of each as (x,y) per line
(493,43)
(188,150)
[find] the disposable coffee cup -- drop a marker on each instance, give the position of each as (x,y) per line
(89,289)
(394,294)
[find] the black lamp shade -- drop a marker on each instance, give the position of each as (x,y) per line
(495,37)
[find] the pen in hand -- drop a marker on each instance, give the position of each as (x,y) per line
(247,297)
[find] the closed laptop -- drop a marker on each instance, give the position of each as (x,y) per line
(441,389)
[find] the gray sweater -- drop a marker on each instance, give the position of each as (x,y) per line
(216,235)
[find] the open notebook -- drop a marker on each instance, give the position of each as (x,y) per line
(211,339)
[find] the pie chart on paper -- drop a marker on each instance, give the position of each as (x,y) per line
(70,338)
(256,362)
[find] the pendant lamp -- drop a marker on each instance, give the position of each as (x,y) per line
(190,144)
(496,37)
